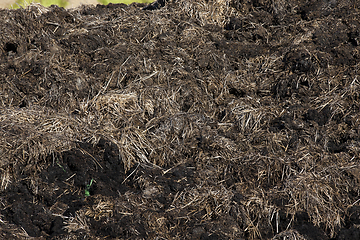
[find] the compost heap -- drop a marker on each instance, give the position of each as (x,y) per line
(194,120)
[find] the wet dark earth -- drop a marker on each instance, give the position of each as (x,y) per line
(183,119)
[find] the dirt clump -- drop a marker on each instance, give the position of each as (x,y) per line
(221,119)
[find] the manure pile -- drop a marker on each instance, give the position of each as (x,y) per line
(206,119)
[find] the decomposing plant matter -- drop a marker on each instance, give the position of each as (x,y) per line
(219,119)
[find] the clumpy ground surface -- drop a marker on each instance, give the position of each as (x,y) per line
(224,119)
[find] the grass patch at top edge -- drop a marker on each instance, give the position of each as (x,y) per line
(65,3)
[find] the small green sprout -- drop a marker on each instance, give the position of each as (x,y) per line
(87,188)
(57,162)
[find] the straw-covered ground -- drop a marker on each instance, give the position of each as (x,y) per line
(203,119)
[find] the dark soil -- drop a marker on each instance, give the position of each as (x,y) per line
(181,120)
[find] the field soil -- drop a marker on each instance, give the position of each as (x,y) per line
(71,3)
(6,3)
(186,119)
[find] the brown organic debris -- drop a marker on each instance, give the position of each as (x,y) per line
(218,119)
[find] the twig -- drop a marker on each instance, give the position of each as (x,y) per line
(131,173)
